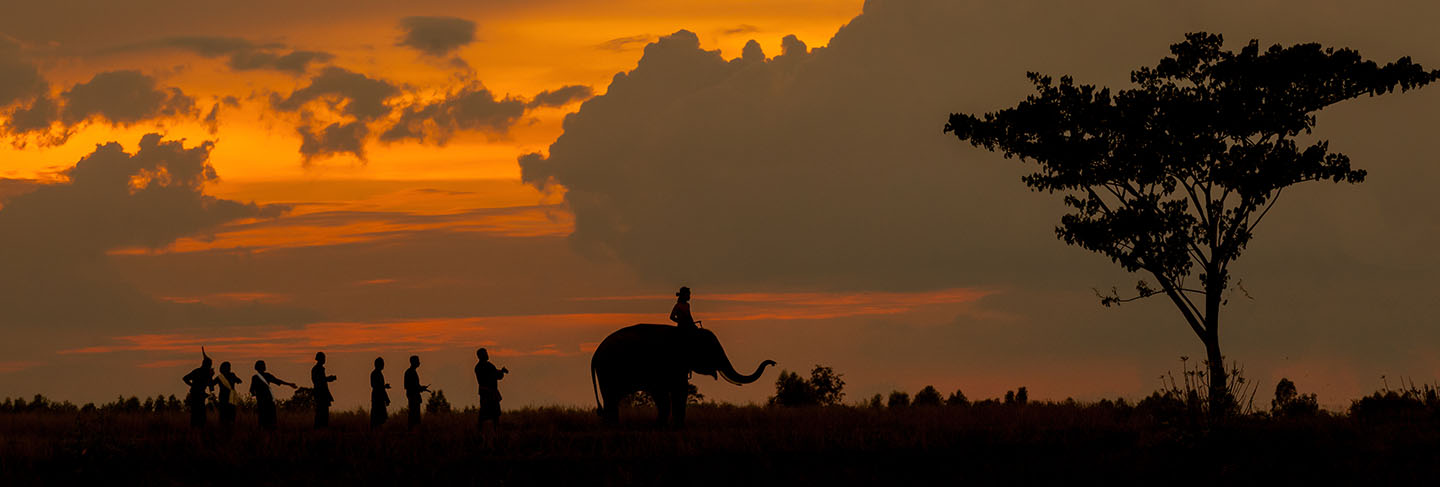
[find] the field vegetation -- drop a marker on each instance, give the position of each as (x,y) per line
(1393,434)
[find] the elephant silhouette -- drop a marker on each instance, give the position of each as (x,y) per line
(658,359)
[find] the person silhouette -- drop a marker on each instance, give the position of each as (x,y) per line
(225,404)
(200,381)
(264,400)
(680,314)
(488,379)
(321,392)
(413,390)
(379,399)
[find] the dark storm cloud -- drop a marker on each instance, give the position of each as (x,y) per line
(53,238)
(560,97)
(436,36)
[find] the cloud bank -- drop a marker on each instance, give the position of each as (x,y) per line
(54,237)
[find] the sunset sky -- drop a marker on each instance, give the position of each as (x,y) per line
(270,179)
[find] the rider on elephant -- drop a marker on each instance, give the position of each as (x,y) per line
(680,314)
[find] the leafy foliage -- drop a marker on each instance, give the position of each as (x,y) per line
(898,399)
(1289,403)
(1176,173)
(927,397)
(957,398)
(823,388)
(437,403)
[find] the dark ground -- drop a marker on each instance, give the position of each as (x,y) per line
(723,445)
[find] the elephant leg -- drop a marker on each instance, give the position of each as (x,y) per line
(678,399)
(662,406)
(610,412)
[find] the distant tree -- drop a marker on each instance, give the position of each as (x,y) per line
(876,401)
(437,403)
(898,399)
(957,398)
(1022,396)
(1289,403)
(823,388)
(693,395)
(302,400)
(1174,175)
(927,397)
(1009,397)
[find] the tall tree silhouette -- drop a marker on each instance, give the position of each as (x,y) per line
(1172,177)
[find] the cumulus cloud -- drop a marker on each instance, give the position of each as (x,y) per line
(436,36)
(119,98)
(19,79)
(123,98)
(241,54)
(560,97)
(53,237)
(340,111)
(472,108)
(345,91)
(333,140)
(827,166)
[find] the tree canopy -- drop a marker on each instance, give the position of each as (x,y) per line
(1175,174)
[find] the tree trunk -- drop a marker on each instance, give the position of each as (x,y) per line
(1220,398)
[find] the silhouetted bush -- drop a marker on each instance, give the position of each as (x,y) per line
(1022,396)
(927,397)
(302,400)
(437,403)
(1289,403)
(957,398)
(824,388)
(898,399)
(1009,397)
(876,401)
(1405,404)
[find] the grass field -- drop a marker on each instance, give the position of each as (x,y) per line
(721,445)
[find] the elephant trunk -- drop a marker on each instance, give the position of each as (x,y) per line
(732,376)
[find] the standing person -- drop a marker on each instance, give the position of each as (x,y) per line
(264,400)
(379,399)
(680,314)
(200,381)
(413,390)
(488,378)
(321,391)
(226,403)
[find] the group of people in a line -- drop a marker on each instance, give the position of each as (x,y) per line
(487,376)
(204,379)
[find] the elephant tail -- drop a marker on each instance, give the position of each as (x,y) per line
(595,383)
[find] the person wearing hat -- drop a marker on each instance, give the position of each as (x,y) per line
(680,314)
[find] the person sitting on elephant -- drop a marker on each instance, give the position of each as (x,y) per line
(680,314)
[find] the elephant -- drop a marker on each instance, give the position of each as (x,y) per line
(658,359)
